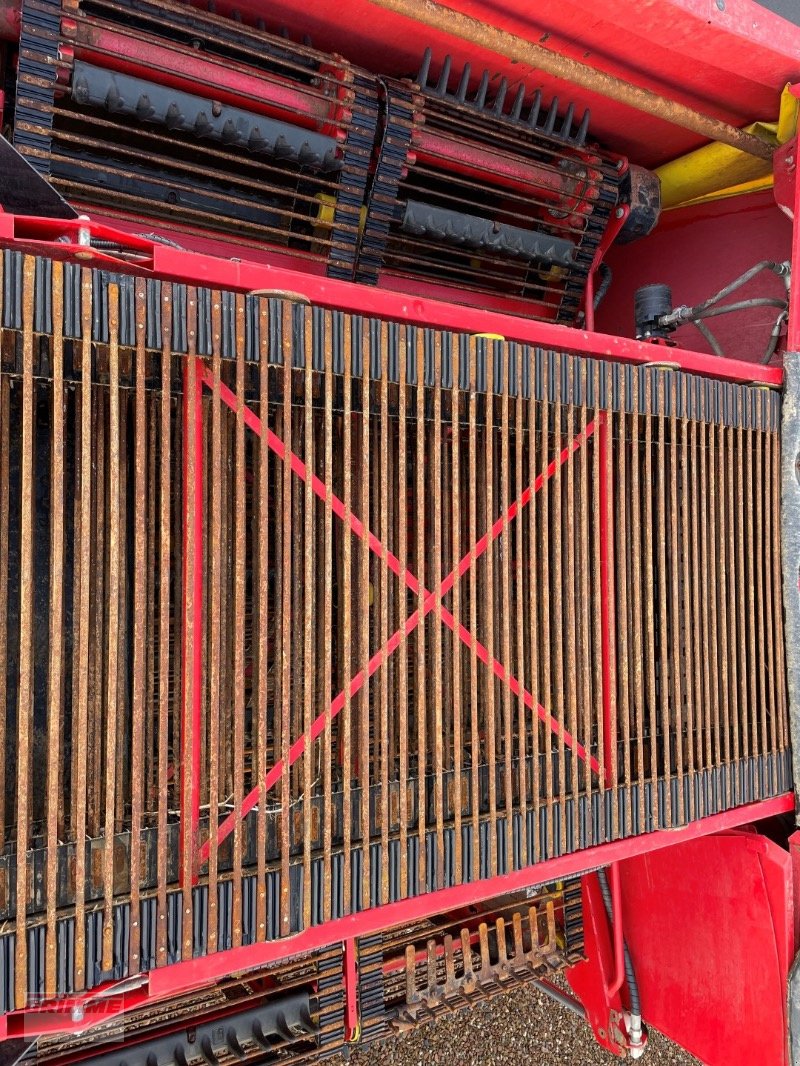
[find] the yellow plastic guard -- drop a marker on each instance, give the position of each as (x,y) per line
(716,170)
(327,207)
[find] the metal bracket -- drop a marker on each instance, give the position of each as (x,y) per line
(78,238)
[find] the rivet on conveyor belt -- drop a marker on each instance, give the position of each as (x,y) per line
(230,135)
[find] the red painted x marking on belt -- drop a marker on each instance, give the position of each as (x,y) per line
(432,597)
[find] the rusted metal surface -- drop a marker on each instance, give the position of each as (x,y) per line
(478,964)
(214,667)
(55,695)
(24,739)
(381,547)
(113,703)
(483,35)
(141,609)
(238,628)
(5,436)
(165,665)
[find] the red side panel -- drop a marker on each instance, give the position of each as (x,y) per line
(710,928)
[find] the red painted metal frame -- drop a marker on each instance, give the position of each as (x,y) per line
(592,980)
(616,922)
(352,1007)
(794,852)
(41,236)
(608,654)
(787,195)
(192,653)
(618,220)
(76,1014)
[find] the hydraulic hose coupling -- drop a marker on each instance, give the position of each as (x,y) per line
(637,1035)
(784,270)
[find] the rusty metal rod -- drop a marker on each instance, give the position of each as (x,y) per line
(327,759)
(142,539)
(163,617)
(5,436)
(515,48)
(403,533)
(112,626)
(309,605)
(55,710)
(215,633)
(82,605)
(25,705)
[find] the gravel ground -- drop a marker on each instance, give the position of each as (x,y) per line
(524,1028)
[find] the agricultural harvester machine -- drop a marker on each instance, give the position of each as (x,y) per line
(399,523)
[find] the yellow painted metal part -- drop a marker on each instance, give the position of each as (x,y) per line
(327,208)
(715,170)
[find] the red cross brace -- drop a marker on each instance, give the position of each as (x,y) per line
(359,679)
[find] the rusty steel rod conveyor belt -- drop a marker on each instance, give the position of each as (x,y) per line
(318,612)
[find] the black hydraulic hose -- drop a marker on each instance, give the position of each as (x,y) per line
(773,339)
(709,336)
(683,314)
(606,276)
(766,264)
(740,305)
(384,104)
(630,976)
(711,308)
